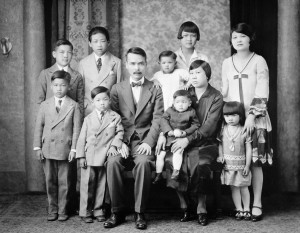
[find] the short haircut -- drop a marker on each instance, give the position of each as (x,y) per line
(138,51)
(97,30)
(61,74)
(167,53)
(204,65)
(182,93)
(234,107)
(62,42)
(188,26)
(98,90)
(244,29)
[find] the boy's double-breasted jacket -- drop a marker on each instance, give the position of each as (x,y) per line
(57,133)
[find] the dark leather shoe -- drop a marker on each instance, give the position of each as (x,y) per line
(175,174)
(186,217)
(52,217)
(114,220)
(140,221)
(87,219)
(101,218)
(63,217)
(158,178)
(202,219)
(256,218)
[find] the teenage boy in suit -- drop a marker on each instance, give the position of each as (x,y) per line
(56,132)
(100,136)
(100,68)
(141,106)
(62,53)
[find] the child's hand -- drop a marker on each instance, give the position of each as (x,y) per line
(186,87)
(112,151)
(124,151)
(82,163)
(171,133)
(183,134)
(177,133)
(220,159)
(72,156)
(39,155)
(157,84)
(246,171)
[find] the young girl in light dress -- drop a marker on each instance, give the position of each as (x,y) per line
(169,78)
(245,78)
(236,151)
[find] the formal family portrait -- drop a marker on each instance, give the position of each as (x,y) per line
(152,115)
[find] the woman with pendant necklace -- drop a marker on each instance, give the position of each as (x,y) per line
(245,78)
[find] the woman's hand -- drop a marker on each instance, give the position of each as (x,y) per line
(220,159)
(161,143)
(179,144)
(249,125)
(246,171)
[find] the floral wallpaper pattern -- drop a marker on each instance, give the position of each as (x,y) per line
(153,25)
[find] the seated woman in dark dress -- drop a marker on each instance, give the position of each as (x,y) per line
(202,148)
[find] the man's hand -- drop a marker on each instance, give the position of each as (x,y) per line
(39,155)
(179,144)
(124,151)
(161,143)
(144,148)
(72,156)
(82,163)
(112,151)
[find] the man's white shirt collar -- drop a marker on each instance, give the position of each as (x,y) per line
(57,99)
(97,57)
(131,80)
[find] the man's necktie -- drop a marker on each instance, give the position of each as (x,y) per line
(136,84)
(58,107)
(99,64)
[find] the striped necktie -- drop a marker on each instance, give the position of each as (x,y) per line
(58,107)
(99,64)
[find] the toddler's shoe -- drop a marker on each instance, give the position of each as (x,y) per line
(52,217)
(157,178)
(175,174)
(63,217)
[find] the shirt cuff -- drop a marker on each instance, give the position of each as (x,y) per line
(73,150)
(36,148)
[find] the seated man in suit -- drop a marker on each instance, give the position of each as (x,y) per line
(140,105)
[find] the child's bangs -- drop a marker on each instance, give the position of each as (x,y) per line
(191,29)
(231,108)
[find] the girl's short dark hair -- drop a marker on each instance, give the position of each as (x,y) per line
(246,29)
(234,107)
(167,53)
(138,51)
(188,26)
(61,74)
(60,42)
(96,30)
(204,65)
(98,90)
(182,93)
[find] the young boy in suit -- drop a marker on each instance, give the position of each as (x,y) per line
(100,68)
(56,132)
(100,136)
(141,106)
(62,53)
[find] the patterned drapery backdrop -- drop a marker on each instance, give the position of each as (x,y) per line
(153,26)
(82,15)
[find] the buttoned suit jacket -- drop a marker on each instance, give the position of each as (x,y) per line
(57,133)
(145,117)
(96,138)
(75,92)
(109,74)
